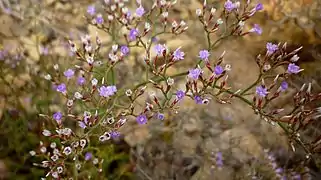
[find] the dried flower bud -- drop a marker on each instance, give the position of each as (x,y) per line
(213,10)
(198,12)
(48,77)
(170,81)
(219,21)
(128,92)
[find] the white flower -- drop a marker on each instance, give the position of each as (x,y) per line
(55,174)
(111,120)
(170,81)
(128,92)
(83,143)
(198,12)
(219,21)
(295,58)
(59,169)
(95,161)
(46,132)
(78,95)
(43,149)
(114,47)
(32,153)
(47,77)
(53,145)
(94,82)
(67,150)
(54,157)
(66,131)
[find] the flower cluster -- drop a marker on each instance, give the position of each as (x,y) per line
(100,104)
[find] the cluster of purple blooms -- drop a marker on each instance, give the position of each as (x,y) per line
(194,75)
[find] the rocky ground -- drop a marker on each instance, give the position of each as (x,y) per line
(187,149)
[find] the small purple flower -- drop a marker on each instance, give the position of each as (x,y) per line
(159,49)
(229,6)
(3,54)
(219,159)
(259,7)
(44,50)
(180,95)
(99,19)
(198,100)
(284,86)
(133,33)
(194,73)
(81,80)
(115,134)
(82,125)
(160,116)
(293,69)
(91,10)
(178,54)
(141,119)
(57,116)
(107,91)
(218,70)
(61,88)
(204,54)
(88,156)
(140,11)
(154,39)
(69,73)
(271,48)
(279,170)
(124,50)
(256,29)
(261,91)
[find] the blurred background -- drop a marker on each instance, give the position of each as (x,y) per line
(33,36)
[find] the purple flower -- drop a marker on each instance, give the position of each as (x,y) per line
(99,19)
(115,134)
(194,73)
(279,170)
(159,49)
(88,156)
(107,91)
(44,50)
(261,91)
(178,54)
(124,50)
(82,124)
(140,11)
(271,48)
(204,54)
(284,86)
(229,6)
(259,7)
(81,80)
(133,33)
(219,159)
(91,10)
(256,29)
(3,54)
(61,88)
(180,95)
(69,73)
(141,119)
(218,70)
(293,69)
(160,116)
(198,100)
(154,39)
(57,116)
